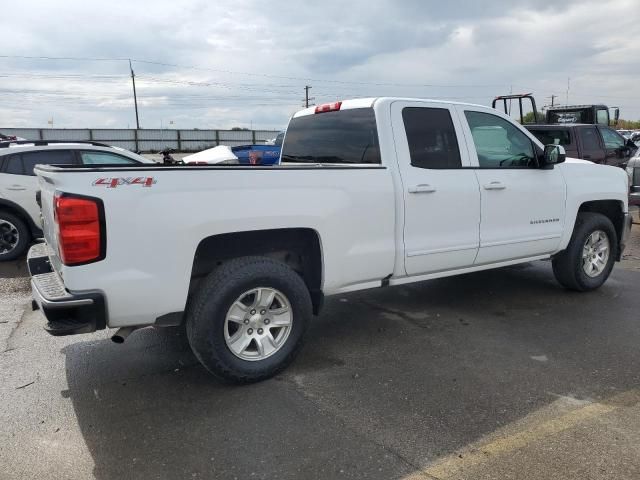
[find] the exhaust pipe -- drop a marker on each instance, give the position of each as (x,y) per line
(121,335)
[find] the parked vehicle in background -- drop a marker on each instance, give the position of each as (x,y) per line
(276,141)
(591,114)
(596,143)
(241,155)
(9,138)
(558,115)
(368,194)
(220,155)
(633,171)
(625,133)
(19,211)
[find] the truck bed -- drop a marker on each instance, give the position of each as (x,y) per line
(156,216)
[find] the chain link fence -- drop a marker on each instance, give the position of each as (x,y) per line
(148,140)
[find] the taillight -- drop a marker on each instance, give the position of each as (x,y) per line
(328,107)
(79,222)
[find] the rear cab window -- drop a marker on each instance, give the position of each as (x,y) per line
(337,137)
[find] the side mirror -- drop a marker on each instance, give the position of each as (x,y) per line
(553,154)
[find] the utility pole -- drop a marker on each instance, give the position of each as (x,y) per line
(135,98)
(553,97)
(568,88)
(307,99)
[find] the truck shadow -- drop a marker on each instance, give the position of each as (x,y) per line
(14,268)
(389,381)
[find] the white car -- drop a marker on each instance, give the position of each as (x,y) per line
(370,193)
(19,211)
(625,133)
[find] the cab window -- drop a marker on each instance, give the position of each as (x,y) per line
(46,157)
(431,137)
(13,165)
(104,158)
(612,140)
(499,143)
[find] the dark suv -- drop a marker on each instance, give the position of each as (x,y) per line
(597,143)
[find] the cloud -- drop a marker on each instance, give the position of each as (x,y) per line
(253,58)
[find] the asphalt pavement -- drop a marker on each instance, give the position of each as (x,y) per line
(500,374)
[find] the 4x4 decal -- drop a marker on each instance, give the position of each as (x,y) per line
(118,181)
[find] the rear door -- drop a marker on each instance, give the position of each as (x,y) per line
(441,197)
(15,186)
(522,206)
(591,143)
(19,184)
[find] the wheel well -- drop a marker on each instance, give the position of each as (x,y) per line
(15,209)
(612,209)
(297,247)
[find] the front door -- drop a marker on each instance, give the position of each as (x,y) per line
(522,206)
(441,197)
(615,147)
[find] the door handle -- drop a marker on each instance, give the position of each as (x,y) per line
(586,157)
(16,187)
(422,188)
(494,186)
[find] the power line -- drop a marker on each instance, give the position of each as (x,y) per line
(194,67)
(91,59)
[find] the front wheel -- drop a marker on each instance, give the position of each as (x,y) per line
(588,260)
(247,321)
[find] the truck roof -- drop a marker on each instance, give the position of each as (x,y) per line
(370,102)
(573,107)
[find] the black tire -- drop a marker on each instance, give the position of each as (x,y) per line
(207,310)
(567,266)
(24,237)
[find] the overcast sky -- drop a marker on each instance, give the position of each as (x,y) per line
(245,63)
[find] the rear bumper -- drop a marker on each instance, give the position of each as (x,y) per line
(626,231)
(67,313)
(634,198)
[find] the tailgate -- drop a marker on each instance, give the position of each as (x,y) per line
(46,184)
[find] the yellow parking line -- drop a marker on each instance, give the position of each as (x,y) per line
(457,463)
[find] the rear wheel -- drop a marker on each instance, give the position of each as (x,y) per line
(247,321)
(588,260)
(14,236)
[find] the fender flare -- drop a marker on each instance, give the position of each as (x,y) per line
(22,213)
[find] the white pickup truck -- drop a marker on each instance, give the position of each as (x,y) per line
(370,193)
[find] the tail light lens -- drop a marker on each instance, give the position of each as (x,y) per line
(80,229)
